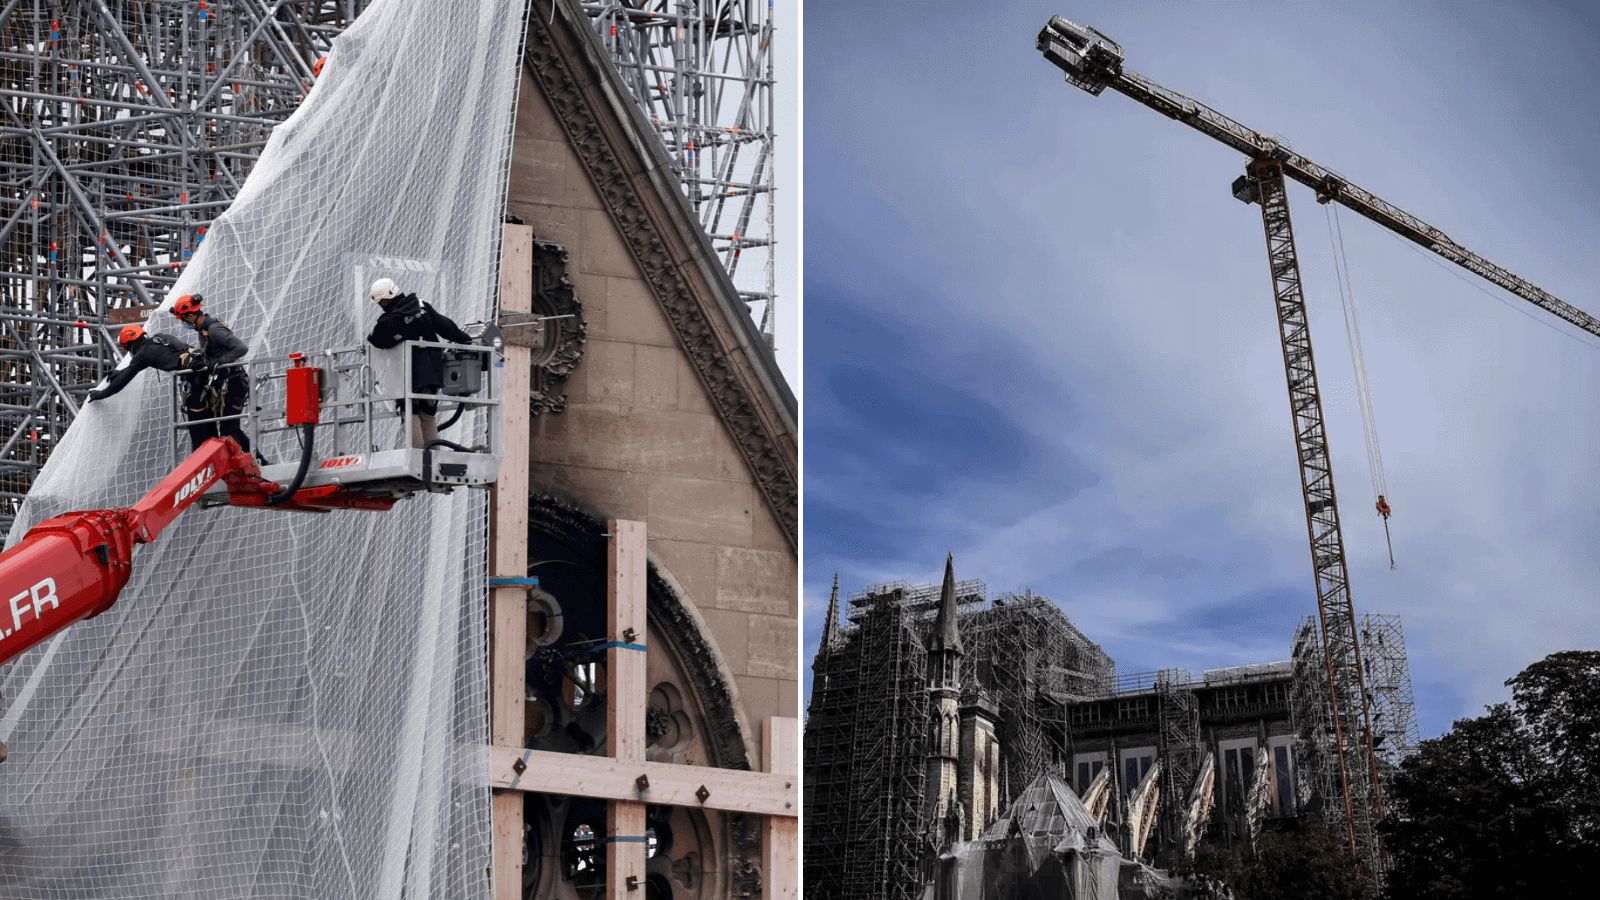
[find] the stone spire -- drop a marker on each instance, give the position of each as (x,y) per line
(945,636)
(830,625)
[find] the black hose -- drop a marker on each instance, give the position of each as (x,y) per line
(305,465)
(455,416)
(441,442)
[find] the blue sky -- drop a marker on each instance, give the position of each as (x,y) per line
(1039,330)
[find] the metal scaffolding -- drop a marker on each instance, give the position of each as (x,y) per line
(1387,677)
(130,125)
(1312,719)
(1394,710)
(1178,748)
(1031,661)
(702,72)
(867,724)
(888,740)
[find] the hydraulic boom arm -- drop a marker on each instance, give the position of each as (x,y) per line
(1093,62)
(73,566)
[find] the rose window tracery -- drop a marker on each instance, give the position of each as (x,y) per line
(692,853)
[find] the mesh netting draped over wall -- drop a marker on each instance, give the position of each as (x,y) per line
(286,704)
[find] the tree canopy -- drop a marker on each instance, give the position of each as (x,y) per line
(1507,804)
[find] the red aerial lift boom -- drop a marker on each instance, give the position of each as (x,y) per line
(73,566)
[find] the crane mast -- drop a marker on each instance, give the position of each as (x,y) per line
(1347,690)
(1093,62)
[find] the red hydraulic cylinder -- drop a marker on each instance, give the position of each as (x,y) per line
(73,566)
(68,568)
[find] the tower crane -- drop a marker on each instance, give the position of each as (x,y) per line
(1093,62)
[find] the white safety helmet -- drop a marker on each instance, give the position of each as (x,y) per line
(384,289)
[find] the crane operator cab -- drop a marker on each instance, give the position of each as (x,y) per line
(1090,59)
(336,425)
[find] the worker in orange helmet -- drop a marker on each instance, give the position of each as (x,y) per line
(1383,507)
(217,388)
(162,352)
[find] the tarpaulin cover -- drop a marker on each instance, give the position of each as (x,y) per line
(288,704)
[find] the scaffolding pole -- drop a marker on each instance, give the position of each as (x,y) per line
(129,127)
(702,73)
(1395,734)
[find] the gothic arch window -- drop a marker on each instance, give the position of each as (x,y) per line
(695,854)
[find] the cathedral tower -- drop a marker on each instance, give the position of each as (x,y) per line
(944,693)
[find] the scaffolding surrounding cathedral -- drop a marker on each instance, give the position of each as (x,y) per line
(1221,758)
(868,730)
(1395,734)
(1031,662)
(869,744)
(702,72)
(130,126)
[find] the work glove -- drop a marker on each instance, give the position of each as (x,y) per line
(98,395)
(192,359)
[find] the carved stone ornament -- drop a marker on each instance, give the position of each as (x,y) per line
(554,330)
(732,389)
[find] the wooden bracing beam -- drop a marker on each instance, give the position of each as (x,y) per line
(604,778)
(508,606)
(780,844)
(624,778)
(626,700)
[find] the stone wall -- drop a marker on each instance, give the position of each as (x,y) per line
(640,439)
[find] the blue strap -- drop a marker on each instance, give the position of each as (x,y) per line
(513,582)
(606,646)
(518,776)
(618,840)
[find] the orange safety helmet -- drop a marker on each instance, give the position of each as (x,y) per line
(129,334)
(188,303)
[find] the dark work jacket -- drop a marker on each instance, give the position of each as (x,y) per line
(218,342)
(159,351)
(409,319)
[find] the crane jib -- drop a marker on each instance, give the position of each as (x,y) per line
(1093,62)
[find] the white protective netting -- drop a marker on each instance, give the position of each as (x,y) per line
(288,704)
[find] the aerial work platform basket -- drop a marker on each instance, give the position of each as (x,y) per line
(345,415)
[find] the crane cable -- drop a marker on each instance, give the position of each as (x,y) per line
(1358,364)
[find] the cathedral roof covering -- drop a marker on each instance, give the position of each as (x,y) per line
(1049,816)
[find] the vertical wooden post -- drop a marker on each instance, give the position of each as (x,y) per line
(508,606)
(780,845)
(625,703)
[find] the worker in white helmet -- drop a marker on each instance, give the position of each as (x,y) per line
(406,318)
